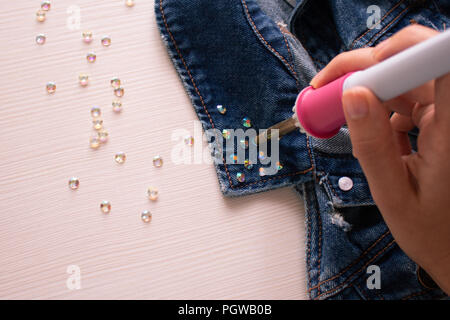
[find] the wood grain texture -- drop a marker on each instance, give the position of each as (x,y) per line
(199,245)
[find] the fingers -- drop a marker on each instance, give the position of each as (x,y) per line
(344,63)
(401,125)
(375,147)
(442,101)
(405,38)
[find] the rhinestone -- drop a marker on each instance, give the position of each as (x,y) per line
(221,109)
(189,140)
(94,142)
(115,82)
(261,156)
(262,172)
(117,106)
(246,122)
(103,136)
(45,5)
(91,57)
(234,158)
(240,177)
(119,92)
(83,78)
(146,216)
(51,87)
(129,3)
(226,134)
(40,15)
(157,161)
(40,39)
(106,41)
(105,206)
(345,183)
(243,143)
(74,183)
(96,112)
(120,157)
(87,36)
(279,166)
(97,124)
(152,193)
(248,165)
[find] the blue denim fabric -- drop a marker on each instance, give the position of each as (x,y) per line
(254,56)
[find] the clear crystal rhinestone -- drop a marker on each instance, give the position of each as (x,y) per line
(96,112)
(106,41)
(262,172)
(120,157)
(115,82)
(74,183)
(146,216)
(103,136)
(119,92)
(157,161)
(189,140)
(261,156)
(279,166)
(87,36)
(45,5)
(248,165)
(83,78)
(97,124)
(246,122)
(129,3)
(91,57)
(152,193)
(117,106)
(221,109)
(40,15)
(226,134)
(105,206)
(94,142)
(51,87)
(240,177)
(40,39)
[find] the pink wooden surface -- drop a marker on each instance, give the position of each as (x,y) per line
(199,245)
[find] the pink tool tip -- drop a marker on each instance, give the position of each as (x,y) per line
(320,111)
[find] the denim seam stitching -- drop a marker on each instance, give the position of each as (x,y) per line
(349,279)
(212,122)
(386,27)
(416,294)
(291,58)
(354,262)
(244,3)
(382,19)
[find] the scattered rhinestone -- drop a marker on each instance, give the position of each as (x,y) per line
(40,15)
(221,109)
(91,57)
(51,87)
(115,82)
(117,106)
(189,140)
(106,41)
(103,136)
(87,36)
(74,183)
(94,142)
(146,216)
(248,165)
(226,134)
(45,5)
(157,161)
(40,39)
(97,124)
(240,177)
(119,92)
(105,207)
(120,157)
(246,122)
(83,79)
(96,112)
(152,193)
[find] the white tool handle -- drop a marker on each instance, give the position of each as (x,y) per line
(406,70)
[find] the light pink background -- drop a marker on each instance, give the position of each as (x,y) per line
(199,245)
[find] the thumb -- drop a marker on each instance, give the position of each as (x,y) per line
(374,145)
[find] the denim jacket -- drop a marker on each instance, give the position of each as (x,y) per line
(253,57)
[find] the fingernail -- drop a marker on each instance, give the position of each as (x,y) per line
(314,80)
(355,107)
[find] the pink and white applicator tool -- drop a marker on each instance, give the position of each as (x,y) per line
(319,112)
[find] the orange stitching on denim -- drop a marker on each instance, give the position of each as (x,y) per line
(348,280)
(319,260)
(353,263)
(331,188)
(292,59)
(210,118)
(385,28)
(384,17)
(265,41)
(416,294)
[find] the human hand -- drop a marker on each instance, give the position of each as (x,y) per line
(412,190)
